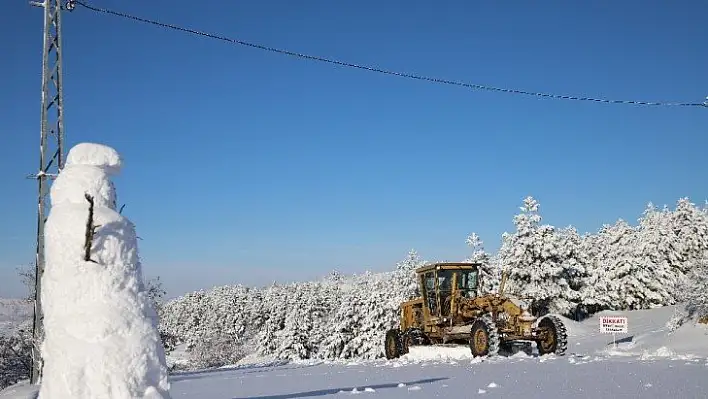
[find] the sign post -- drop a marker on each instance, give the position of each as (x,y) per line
(613,325)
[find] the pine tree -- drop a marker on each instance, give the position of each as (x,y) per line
(575,260)
(536,262)
(612,268)
(489,273)
(696,294)
(659,268)
(406,273)
(690,227)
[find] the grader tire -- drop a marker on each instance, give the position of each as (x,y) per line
(393,346)
(484,337)
(413,337)
(556,339)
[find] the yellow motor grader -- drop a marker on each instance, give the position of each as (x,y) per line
(450,310)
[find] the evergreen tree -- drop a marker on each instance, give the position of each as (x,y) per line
(489,273)
(610,280)
(696,294)
(659,267)
(537,263)
(621,267)
(690,227)
(406,273)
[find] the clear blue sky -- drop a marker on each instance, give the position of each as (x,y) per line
(243,166)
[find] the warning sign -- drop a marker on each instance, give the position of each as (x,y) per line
(613,324)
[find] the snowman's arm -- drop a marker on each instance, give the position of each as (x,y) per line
(90,231)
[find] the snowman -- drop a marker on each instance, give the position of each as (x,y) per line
(101,338)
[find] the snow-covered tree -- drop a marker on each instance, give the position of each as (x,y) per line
(15,355)
(27,276)
(406,273)
(307,321)
(156,293)
(690,227)
(275,298)
(610,280)
(489,273)
(346,316)
(335,276)
(644,266)
(293,338)
(696,291)
(538,265)
(693,294)
(516,248)
(659,268)
(342,331)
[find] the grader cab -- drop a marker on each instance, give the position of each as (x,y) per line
(451,310)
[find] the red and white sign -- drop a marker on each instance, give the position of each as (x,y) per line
(613,324)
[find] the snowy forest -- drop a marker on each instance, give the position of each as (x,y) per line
(662,260)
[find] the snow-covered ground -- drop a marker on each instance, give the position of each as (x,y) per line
(532,378)
(648,362)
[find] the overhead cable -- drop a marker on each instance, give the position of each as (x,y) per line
(377,69)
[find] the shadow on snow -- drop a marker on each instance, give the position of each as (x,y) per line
(334,391)
(246,369)
(624,340)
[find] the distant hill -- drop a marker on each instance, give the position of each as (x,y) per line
(13,312)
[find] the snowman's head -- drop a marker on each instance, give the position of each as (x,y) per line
(87,171)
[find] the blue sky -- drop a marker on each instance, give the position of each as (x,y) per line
(243,166)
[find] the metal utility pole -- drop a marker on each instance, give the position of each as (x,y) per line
(51,159)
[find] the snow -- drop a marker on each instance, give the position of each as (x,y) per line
(87,171)
(101,337)
(648,336)
(94,154)
(324,338)
(13,312)
(650,362)
(22,390)
(343,316)
(530,378)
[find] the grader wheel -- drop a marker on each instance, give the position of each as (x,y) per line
(393,346)
(484,337)
(556,339)
(413,337)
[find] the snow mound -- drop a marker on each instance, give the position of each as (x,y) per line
(21,390)
(575,328)
(96,155)
(101,329)
(689,338)
(647,336)
(87,171)
(437,353)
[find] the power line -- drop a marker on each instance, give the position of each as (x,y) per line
(376,69)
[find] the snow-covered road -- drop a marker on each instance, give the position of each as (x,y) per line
(566,377)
